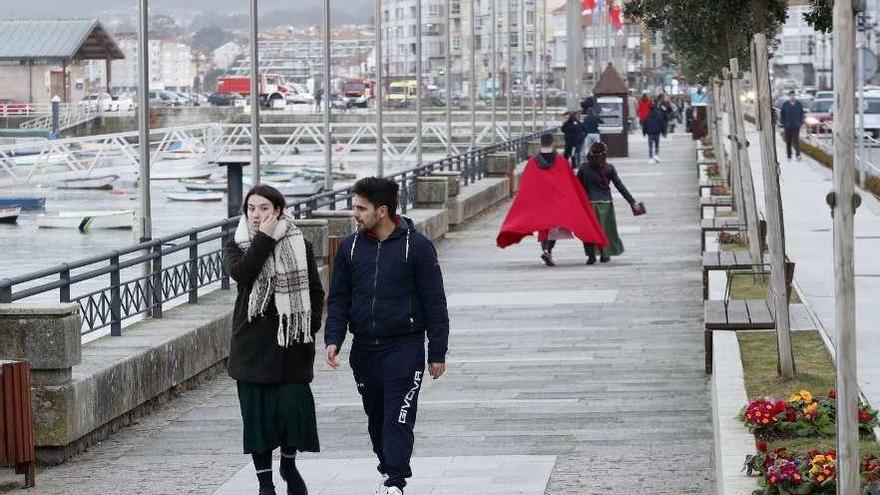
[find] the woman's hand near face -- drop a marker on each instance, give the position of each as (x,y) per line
(268,224)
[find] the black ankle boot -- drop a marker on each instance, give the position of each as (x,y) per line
(270,490)
(590,251)
(295,483)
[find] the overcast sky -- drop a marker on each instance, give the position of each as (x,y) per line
(17,9)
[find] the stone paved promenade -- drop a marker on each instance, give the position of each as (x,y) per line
(566,380)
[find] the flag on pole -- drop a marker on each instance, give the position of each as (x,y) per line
(616,17)
(587,7)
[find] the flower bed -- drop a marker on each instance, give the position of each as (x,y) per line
(785,471)
(802,415)
(713,171)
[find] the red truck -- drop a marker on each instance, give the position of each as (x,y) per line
(357,92)
(272,88)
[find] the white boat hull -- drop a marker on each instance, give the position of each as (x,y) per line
(85,221)
(9,214)
(195,196)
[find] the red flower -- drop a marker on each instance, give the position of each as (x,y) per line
(864,416)
(762,446)
(832,394)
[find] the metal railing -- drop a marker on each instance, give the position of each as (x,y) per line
(114,288)
(53,160)
(69,115)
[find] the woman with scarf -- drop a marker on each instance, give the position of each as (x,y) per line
(277,313)
(596,176)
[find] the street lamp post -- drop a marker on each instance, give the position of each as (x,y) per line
(255,95)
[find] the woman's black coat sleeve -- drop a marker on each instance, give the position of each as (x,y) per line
(245,267)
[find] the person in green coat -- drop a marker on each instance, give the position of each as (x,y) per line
(277,312)
(596,176)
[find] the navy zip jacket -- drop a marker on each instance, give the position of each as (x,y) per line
(388,291)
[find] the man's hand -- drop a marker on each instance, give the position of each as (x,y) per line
(436,369)
(330,353)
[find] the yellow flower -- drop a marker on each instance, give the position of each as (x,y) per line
(794,398)
(811,409)
(807,396)
(820,478)
(818,459)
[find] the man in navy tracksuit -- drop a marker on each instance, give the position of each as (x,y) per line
(387,290)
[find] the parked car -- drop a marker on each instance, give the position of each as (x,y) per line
(124,103)
(100,101)
(226,99)
(159,99)
(818,116)
(11,107)
(824,95)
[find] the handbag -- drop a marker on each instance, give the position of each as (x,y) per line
(639,209)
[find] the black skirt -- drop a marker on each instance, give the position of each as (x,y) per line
(278,415)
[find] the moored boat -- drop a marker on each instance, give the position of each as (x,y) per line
(85,221)
(9,214)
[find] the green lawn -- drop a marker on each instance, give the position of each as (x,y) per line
(750,286)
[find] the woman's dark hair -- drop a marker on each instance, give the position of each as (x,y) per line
(379,192)
(273,195)
(596,156)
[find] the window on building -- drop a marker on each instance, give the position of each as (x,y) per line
(412,12)
(456,8)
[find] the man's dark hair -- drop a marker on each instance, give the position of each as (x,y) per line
(379,192)
(546,140)
(273,195)
(791,93)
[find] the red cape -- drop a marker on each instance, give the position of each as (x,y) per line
(549,198)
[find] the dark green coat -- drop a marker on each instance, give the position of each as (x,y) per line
(254,353)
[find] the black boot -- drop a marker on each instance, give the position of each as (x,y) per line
(290,474)
(590,250)
(267,490)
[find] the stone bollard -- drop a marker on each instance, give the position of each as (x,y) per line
(533,148)
(453,177)
(432,192)
(341,224)
(499,164)
(316,231)
(48,337)
(558,140)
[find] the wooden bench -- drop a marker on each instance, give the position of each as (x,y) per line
(725,261)
(750,314)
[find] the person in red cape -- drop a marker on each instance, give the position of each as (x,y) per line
(551,202)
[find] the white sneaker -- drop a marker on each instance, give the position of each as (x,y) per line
(651,160)
(380,490)
(657,158)
(393,490)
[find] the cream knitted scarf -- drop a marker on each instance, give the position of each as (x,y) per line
(285,275)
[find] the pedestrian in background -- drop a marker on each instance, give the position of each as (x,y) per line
(644,108)
(792,119)
(655,124)
(573,132)
(318,95)
(551,202)
(591,133)
(387,290)
(277,312)
(596,177)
